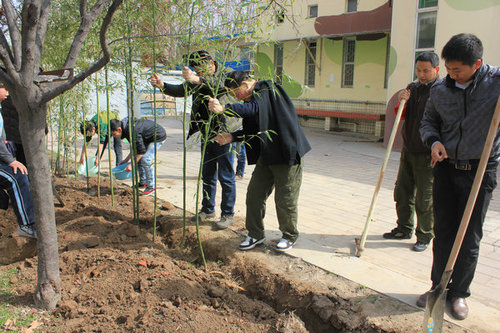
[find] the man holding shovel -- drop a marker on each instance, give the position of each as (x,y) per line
(455,125)
(413,190)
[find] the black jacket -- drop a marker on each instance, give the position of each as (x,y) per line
(144,133)
(11,121)
(414,110)
(210,87)
(274,133)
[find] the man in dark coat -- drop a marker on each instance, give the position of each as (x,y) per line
(276,145)
(413,190)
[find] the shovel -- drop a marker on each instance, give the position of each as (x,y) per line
(436,299)
(360,242)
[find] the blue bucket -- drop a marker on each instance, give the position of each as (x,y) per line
(120,173)
(92,170)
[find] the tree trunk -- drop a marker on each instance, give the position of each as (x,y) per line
(32,126)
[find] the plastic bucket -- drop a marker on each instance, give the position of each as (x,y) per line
(92,169)
(120,173)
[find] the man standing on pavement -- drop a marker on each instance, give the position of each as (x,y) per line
(148,137)
(413,190)
(207,81)
(455,125)
(276,145)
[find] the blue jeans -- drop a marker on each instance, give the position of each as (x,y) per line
(241,158)
(218,163)
(18,187)
(146,165)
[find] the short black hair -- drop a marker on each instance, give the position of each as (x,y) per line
(115,124)
(431,57)
(235,78)
(198,57)
(86,127)
(466,48)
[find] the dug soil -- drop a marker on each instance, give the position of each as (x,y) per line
(117,277)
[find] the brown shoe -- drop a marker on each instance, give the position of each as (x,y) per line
(422,300)
(459,308)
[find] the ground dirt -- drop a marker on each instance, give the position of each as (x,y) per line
(115,278)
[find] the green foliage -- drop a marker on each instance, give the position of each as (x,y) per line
(5,281)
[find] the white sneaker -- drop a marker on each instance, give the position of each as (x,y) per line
(284,245)
(250,242)
(27,231)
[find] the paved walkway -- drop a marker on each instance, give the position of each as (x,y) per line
(340,174)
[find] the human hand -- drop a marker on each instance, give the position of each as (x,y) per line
(405,94)
(223,138)
(128,168)
(156,81)
(438,153)
(16,165)
(190,76)
(214,105)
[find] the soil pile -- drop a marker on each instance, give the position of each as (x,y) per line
(115,278)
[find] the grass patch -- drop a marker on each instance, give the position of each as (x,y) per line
(12,317)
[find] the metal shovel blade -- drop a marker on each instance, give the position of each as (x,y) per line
(435,306)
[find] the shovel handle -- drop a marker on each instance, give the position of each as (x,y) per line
(495,120)
(360,243)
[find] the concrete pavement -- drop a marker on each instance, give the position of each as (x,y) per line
(340,174)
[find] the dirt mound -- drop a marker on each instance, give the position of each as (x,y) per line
(115,278)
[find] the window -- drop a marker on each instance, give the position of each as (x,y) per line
(278,63)
(310,76)
(313,11)
(348,63)
(426,26)
(280,16)
(352,6)
(427,3)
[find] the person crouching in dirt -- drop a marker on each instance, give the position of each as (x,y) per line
(99,124)
(275,144)
(14,180)
(144,140)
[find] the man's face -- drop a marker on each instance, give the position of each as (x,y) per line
(206,68)
(460,72)
(239,93)
(426,72)
(91,133)
(3,94)
(117,134)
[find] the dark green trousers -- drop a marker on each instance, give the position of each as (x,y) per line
(413,194)
(286,181)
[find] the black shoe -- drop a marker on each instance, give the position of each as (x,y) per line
(250,242)
(459,308)
(396,234)
(422,300)
(147,191)
(419,246)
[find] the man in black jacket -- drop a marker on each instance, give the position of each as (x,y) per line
(146,141)
(455,124)
(413,190)
(218,160)
(276,144)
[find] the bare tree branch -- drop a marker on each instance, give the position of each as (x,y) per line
(42,27)
(15,35)
(31,55)
(57,90)
(83,8)
(85,25)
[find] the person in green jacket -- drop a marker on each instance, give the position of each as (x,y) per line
(99,124)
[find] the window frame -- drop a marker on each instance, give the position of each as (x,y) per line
(309,8)
(345,63)
(347,6)
(417,50)
(278,62)
(310,63)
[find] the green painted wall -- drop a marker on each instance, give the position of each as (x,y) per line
(472,5)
